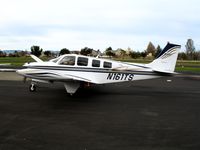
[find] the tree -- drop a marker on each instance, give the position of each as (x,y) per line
(16,54)
(22,53)
(135,55)
(144,54)
(109,52)
(64,51)
(158,50)
(190,49)
(123,53)
(151,49)
(196,55)
(86,51)
(2,54)
(36,50)
(47,53)
(182,56)
(109,49)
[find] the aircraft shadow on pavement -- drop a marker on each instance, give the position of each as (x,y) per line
(98,91)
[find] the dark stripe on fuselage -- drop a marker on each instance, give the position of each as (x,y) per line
(46,75)
(43,75)
(96,70)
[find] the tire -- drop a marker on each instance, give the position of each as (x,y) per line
(32,88)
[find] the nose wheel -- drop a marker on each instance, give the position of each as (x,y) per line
(32,87)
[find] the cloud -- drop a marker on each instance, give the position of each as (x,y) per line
(55,24)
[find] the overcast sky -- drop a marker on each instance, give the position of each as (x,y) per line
(98,24)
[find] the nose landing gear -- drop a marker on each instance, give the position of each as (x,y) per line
(32,87)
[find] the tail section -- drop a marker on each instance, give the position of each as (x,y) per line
(165,62)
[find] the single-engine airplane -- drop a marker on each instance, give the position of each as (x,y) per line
(75,70)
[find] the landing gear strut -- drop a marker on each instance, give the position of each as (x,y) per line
(32,87)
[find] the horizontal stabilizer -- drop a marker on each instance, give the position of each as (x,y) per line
(36,58)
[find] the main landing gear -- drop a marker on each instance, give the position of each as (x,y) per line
(32,87)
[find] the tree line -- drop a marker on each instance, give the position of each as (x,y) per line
(151,52)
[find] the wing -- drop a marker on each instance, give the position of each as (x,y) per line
(36,58)
(76,78)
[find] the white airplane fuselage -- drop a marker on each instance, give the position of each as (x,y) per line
(119,72)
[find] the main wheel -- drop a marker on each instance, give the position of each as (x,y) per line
(32,88)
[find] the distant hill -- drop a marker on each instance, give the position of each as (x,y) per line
(11,51)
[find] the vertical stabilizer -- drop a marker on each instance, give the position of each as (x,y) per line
(166,61)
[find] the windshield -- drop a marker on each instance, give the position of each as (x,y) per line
(68,60)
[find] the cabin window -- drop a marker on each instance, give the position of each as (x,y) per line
(95,63)
(82,61)
(107,64)
(68,60)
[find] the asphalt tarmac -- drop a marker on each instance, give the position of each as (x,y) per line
(159,114)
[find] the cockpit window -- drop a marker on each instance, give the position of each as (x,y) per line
(95,63)
(107,64)
(82,61)
(68,60)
